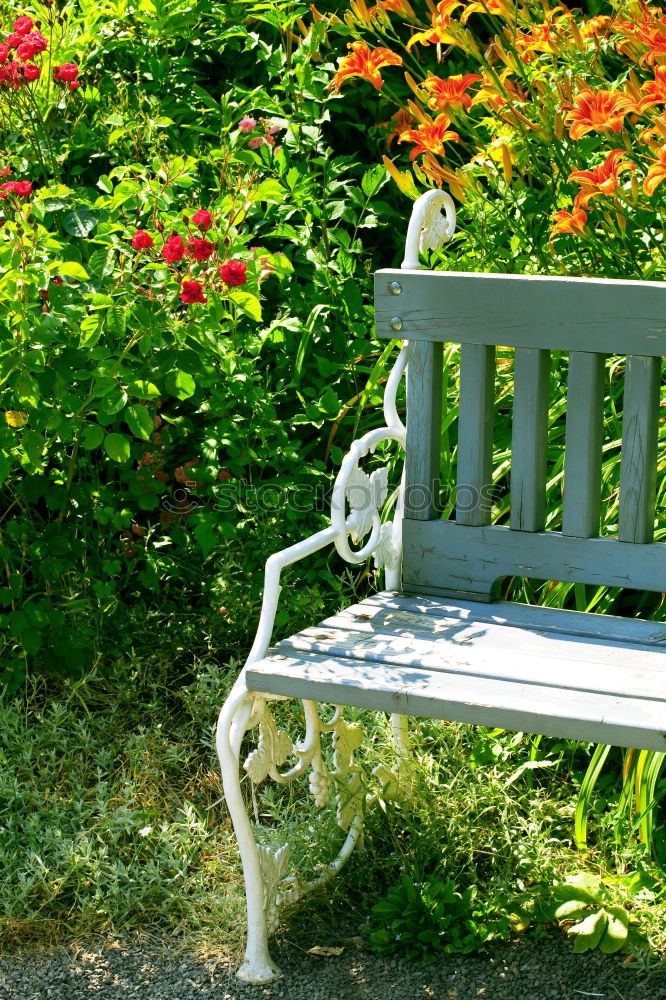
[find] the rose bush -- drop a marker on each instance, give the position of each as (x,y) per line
(161,316)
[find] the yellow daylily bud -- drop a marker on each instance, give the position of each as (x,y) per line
(507,166)
(405,181)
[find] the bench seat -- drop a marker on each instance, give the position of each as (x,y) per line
(561,673)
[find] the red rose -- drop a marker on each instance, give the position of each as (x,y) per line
(142,240)
(191,291)
(57,280)
(200,249)
(203,220)
(22,25)
(234,273)
(65,73)
(74,85)
(23,189)
(14,40)
(30,45)
(31,72)
(173,250)
(11,74)
(4,52)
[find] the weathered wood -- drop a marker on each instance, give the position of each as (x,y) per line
(597,315)
(475,434)
(499,652)
(584,438)
(424,417)
(525,616)
(445,558)
(535,708)
(529,439)
(638,468)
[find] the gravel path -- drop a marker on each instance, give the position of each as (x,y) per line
(151,969)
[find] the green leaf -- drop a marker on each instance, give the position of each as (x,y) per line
(5,467)
(143,389)
(102,262)
(373,179)
(79,222)
(117,447)
(26,390)
(247,303)
(206,537)
(181,385)
(271,190)
(139,421)
(589,932)
(617,930)
(91,327)
(93,436)
(70,269)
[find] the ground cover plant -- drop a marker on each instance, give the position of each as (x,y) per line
(185,351)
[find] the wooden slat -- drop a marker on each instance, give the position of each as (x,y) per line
(584,439)
(447,559)
(526,616)
(529,439)
(535,708)
(638,469)
(561,662)
(475,434)
(598,315)
(424,416)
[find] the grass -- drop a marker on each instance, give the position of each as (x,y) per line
(112,817)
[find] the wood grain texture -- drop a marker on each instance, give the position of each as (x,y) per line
(638,468)
(475,434)
(529,439)
(496,651)
(445,558)
(424,417)
(597,315)
(409,690)
(584,439)
(525,616)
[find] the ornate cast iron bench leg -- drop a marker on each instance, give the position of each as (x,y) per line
(265,870)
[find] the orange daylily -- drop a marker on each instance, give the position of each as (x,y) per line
(438,33)
(597,111)
(499,8)
(366,63)
(654,90)
(396,7)
(430,137)
(452,90)
(492,94)
(649,30)
(656,131)
(603,179)
(656,174)
(569,222)
(401,121)
(595,25)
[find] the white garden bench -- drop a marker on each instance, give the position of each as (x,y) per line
(437,643)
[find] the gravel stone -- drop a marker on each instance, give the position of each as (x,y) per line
(154,969)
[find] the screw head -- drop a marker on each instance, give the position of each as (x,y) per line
(395,288)
(396,323)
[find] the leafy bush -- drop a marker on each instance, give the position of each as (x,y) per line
(424,919)
(176,328)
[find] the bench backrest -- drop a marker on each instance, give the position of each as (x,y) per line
(589,319)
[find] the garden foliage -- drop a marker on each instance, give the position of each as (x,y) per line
(548,125)
(175,252)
